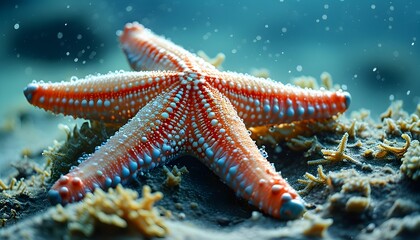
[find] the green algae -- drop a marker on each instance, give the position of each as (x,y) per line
(79,142)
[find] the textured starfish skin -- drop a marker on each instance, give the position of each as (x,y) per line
(177,104)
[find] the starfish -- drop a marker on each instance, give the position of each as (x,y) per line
(176,104)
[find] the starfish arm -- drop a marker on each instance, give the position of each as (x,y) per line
(262,101)
(147,51)
(220,140)
(113,97)
(190,108)
(153,137)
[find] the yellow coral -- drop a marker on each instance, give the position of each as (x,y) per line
(305,82)
(260,72)
(394,111)
(355,194)
(311,181)
(17,187)
(216,61)
(300,143)
(360,185)
(317,226)
(357,204)
(411,124)
(417,112)
(411,161)
(173,178)
(337,155)
(397,120)
(391,127)
(384,149)
(119,207)
(311,82)
(326,80)
(284,132)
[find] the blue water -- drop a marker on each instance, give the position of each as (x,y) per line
(371,48)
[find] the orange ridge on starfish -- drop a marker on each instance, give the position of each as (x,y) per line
(178,104)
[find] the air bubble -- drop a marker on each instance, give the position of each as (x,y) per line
(263,152)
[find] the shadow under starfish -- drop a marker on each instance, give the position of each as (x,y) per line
(177,104)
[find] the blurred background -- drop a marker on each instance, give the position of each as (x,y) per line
(371,48)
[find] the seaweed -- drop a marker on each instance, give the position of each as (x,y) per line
(80,142)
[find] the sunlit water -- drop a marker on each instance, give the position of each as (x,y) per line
(371,48)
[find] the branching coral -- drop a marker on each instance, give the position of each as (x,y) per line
(327,81)
(300,143)
(285,132)
(173,178)
(317,226)
(384,149)
(396,120)
(216,61)
(260,72)
(331,156)
(14,186)
(306,82)
(311,181)
(311,82)
(354,196)
(120,208)
(410,124)
(25,184)
(411,161)
(394,111)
